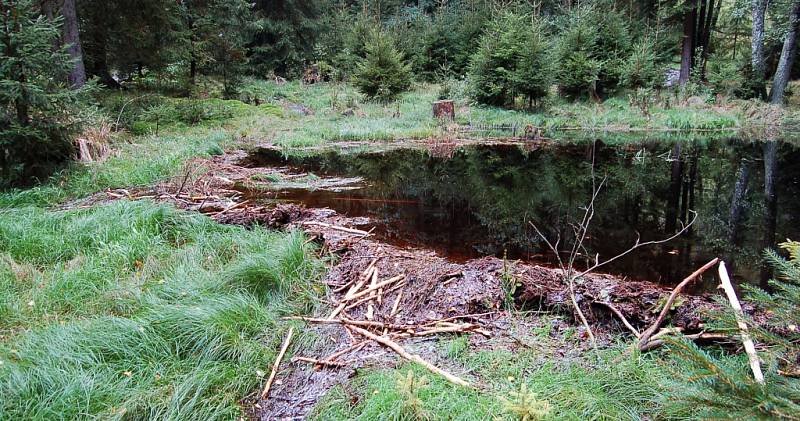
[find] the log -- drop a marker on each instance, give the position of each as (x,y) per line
(444,110)
(284,347)
(394,346)
(749,346)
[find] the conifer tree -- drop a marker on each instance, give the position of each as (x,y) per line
(383,74)
(35,98)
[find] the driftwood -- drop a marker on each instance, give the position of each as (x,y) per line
(284,347)
(645,336)
(394,346)
(749,346)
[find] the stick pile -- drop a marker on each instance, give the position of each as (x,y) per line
(366,294)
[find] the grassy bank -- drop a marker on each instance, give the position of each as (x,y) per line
(138,311)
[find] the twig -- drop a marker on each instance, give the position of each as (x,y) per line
(411,357)
(645,337)
(375,287)
(621,317)
(365,299)
(322,362)
(277,363)
(749,346)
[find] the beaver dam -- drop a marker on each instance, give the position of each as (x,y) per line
(437,239)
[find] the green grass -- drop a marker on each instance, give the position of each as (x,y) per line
(137,311)
(614,386)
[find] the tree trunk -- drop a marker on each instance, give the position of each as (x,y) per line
(787,58)
(96,51)
(737,200)
(71,37)
(673,201)
(770,203)
(757,47)
(687,50)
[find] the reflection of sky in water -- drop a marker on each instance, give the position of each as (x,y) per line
(481,200)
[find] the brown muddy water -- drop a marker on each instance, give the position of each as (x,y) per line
(471,201)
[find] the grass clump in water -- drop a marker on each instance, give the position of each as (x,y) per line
(136,310)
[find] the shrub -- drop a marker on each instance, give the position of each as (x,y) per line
(383,74)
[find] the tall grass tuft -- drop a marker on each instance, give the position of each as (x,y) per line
(134,310)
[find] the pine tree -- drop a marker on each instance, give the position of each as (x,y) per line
(722,387)
(34,96)
(383,74)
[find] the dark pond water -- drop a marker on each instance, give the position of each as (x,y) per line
(480,200)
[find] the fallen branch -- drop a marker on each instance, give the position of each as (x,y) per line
(322,362)
(375,287)
(621,317)
(365,299)
(411,357)
(277,363)
(338,228)
(645,337)
(749,346)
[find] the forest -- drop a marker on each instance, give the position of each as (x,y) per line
(395,210)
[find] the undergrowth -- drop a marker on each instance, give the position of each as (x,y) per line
(137,311)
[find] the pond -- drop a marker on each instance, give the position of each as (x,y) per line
(471,201)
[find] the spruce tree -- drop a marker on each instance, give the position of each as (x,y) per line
(383,74)
(722,387)
(35,99)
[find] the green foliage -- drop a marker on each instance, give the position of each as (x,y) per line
(723,387)
(383,74)
(641,68)
(524,405)
(512,60)
(591,48)
(37,108)
(286,32)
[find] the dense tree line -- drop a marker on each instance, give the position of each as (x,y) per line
(511,52)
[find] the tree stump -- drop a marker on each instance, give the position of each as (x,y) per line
(444,110)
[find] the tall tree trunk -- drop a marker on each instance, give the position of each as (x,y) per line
(787,57)
(770,203)
(687,50)
(96,49)
(737,200)
(705,42)
(757,48)
(71,37)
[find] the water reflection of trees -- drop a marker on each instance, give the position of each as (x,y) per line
(651,188)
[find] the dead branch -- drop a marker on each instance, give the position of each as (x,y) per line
(394,346)
(322,362)
(366,299)
(375,287)
(749,346)
(645,337)
(277,363)
(338,228)
(621,317)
